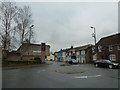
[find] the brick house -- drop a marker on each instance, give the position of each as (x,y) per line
(109,48)
(31,51)
(84,54)
(28,51)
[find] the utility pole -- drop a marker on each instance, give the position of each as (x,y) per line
(94,35)
(30,33)
(95,48)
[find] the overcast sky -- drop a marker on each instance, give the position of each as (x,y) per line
(62,24)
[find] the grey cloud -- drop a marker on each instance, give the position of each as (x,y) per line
(64,24)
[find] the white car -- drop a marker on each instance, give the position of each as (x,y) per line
(73,61)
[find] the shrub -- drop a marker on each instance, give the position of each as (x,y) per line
(19,61)
(37,58)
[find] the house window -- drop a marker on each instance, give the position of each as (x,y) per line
(93,49)
(73,51)
(99,48)
(64,54)
(110,48)
(83,52)
(36,52)
(113,57)
(69,53)
(78,53)
(118,46)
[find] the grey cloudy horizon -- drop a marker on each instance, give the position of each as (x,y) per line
(62,24)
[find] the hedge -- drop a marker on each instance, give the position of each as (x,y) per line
(19,61)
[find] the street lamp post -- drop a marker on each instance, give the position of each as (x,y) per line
(30,32)
(95,48)
(94,34)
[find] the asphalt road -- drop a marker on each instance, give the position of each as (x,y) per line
(46,77)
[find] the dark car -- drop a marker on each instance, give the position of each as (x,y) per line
(51,60)
(106,63)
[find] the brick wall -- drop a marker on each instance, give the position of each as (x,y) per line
(105,43)
(13,56)
(29,57)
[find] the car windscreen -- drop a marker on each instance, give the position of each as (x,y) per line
(98,61)
(73,59)
(108,61)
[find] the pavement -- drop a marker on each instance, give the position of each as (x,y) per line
(25,66)
(46,77)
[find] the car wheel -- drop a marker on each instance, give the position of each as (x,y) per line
(96,65)
(110,66)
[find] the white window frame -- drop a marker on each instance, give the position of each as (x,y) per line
(70,54)
(110,47)
(118,47)
(112,57)
(83,52)
(93,49)
(73,51)
(99,48)
(78,53)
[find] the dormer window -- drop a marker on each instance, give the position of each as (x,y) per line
(110,48)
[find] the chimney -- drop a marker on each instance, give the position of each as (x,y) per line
(43,52)
(71,47)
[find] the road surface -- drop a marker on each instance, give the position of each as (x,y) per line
(45,77)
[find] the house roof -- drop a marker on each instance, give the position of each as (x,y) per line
(77,48)
(83,47)
(31,44)
(110,40)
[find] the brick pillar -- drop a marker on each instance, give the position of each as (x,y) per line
(43,53)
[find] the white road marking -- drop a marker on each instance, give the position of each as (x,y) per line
(43,70)
(98,75)
(82,77)
(88,76)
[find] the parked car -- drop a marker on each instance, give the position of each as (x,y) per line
(73,61)
(106,63)
(51,59)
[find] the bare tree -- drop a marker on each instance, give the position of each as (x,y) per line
(24,21)
(8,11)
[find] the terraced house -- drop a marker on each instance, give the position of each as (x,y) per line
(83,54)
(109,48)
